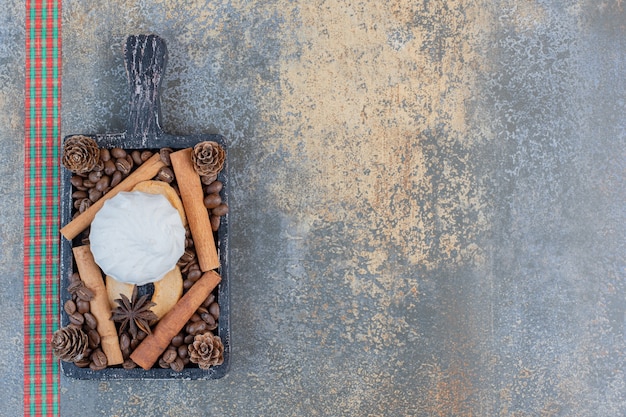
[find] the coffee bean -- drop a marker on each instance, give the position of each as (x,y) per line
(195,317)
(77,182)
(90,320)
(124,341)
(177,340)
(105,154)
(208,179)
(165,174)
(183,352)
(209,320)
(194,275)
(94,195)
(95,367)
(196,327)
(214,309)
(163,364)
(109,167)
(95,176)
(116,178)
(83,363)
(193,264)
(165,156)
(201,327)
(170,355)
(129,364)
(214,187)
(178,365)
(220,210)
(185,268)
(84,293)
(190,328)
(77,319)
(189,339)
(88,183)
(118,153)
(187,284)
(123,165)
(94,338)
(141,335)
(145,155)
(82,306)
(69,307)
(98,167)
(74,285)
(103,183)
(209,300)
(77,203)
(215,222)
(134,343)
(188,256)
(79,195)
(85,203)
(98,358)
(212,200)
(136,155)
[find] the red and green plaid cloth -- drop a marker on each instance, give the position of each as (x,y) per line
(41,212)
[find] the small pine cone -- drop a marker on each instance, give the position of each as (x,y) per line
(80,154)
(70,344)
(206,350)
(208,158)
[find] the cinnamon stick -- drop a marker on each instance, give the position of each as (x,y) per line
(91,275)
(153,346)
(197,214)
(146,171)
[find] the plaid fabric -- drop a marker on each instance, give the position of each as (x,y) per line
(41,213)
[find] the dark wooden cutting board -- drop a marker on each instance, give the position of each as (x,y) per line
(145,61)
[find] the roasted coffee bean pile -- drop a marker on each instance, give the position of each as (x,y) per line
(115,165)
(176,356)
(78,310)
(213,202)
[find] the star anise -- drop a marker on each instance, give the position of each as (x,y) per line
(134,314)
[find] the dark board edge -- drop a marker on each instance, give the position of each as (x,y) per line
(223,244)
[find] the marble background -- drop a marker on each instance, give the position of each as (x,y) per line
(427,199)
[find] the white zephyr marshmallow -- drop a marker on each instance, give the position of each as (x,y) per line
(137,237)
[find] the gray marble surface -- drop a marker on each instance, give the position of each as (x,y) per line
(11,204)
(427,204)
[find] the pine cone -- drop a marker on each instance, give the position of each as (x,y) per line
(69,344)
(80,154)
(208,158)
(206,350)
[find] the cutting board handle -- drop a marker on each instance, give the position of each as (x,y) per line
(145,59)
